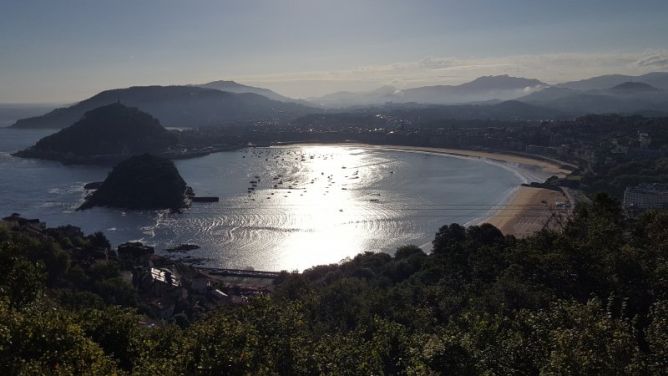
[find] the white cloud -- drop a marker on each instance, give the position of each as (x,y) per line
(551,68)
(655,61)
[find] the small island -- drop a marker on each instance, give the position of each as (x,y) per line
(140,183)
(107,134)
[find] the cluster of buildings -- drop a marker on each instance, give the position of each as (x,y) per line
(170,288)
(646,196)
(167,289)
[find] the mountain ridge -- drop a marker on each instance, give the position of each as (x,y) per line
(228,102)
(631,86)
(623,97)
(235,87)
(176,106)
(656,79)
(482,89)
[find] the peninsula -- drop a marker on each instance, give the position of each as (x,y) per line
(106,134)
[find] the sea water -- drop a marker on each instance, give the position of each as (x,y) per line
(308,205)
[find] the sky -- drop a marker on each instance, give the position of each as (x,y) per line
(67,50)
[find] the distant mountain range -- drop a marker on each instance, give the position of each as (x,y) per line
(343,99)
(634,88)
(233,87)
(483,89)
(656,79)
(647,94)
(223,102)
(177,106)
(643,95)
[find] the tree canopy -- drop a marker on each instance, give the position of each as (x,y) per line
(591,299)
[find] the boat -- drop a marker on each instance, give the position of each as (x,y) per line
(205,199)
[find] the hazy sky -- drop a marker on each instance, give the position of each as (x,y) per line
(66,50)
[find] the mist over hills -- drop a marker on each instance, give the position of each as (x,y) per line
(624,97)
(482,89)
(656,79)
(343,99)
(234,87)
(177,106)
(481,97)
(634,88)
(11,112)
(219,103)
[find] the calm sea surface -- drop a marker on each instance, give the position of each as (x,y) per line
(312,204)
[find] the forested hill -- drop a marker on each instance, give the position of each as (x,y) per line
(114,129)
(176,106)
(589,300)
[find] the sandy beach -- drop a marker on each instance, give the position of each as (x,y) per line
(527,209)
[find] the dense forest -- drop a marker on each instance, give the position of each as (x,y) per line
(591,299)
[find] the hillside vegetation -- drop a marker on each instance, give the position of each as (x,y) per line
(590,300)
(114,129)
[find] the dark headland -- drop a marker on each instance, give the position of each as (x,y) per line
(179,106)
(106,134)
(141,182)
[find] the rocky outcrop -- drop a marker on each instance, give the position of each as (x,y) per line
(141,182)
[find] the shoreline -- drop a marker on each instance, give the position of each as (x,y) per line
(546,166)
(530,209)
(511,160)
(523,210)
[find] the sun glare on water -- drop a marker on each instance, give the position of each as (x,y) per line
(326,208)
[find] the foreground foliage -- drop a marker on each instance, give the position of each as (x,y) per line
(590,300)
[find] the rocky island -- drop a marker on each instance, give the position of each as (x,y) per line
(141,182)
(106,134)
